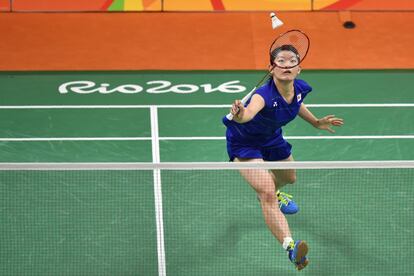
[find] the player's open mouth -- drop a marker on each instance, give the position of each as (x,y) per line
(287,72)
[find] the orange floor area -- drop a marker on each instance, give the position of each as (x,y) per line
(189,41)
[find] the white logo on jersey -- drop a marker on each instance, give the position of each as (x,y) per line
(299,97)
(274,104)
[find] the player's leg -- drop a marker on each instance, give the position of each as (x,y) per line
(296,250)
(280,179)
(282,152)
(283,177)
(262,182)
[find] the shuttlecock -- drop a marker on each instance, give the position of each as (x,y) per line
(276,22)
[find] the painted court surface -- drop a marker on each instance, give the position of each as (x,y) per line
(357,222)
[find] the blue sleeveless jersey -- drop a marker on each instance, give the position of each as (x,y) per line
(264,129)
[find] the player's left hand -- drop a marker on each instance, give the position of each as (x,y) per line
(326,122)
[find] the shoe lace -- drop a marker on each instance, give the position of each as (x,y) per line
(291,245)
(283,198)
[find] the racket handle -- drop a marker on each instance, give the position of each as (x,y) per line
(243,101)
(229,116)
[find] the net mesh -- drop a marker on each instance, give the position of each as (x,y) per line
(357,221)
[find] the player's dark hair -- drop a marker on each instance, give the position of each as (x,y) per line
(285,47)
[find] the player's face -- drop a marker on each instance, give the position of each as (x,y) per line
(284,60)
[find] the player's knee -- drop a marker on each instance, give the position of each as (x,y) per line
(267,196)
(291,179)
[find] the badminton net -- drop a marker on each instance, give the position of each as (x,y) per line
(202,219)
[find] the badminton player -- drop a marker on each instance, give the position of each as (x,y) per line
(255,135)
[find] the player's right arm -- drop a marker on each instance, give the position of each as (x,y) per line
(244,114)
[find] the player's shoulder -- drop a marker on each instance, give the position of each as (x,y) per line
(265,89)
(302,86)
(267,86)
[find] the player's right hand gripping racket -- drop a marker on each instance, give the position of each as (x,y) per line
(296,38)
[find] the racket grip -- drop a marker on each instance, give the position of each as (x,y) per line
(229,116)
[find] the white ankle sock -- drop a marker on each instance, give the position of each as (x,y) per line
(286,242)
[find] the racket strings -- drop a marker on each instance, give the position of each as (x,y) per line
(295,41)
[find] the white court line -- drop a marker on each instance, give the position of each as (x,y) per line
(154,135)
(158,192)
(189,106)
(49,139)
(339,137)
(356,137)
(331,137)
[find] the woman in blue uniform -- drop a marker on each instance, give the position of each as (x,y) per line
(255,135)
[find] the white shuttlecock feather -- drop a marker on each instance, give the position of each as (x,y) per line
(276,22)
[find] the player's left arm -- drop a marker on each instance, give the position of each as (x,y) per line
(324,123)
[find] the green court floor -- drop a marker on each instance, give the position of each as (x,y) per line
(357,222)
(31,90)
